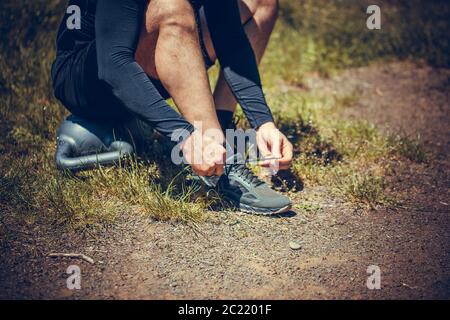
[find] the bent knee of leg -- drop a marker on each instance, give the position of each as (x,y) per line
(175,17)
(268,9)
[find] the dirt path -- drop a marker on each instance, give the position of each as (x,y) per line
(243,256)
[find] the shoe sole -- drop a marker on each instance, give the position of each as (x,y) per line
(260,211)
(264,212)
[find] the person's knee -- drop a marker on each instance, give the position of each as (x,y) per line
(175,17)
(267,9)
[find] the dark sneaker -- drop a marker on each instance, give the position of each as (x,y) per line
(246,191)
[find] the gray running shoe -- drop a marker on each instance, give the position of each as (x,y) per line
(242,188)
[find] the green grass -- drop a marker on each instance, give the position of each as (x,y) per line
(351,158)
(364,189)
(92,198)
(323,36)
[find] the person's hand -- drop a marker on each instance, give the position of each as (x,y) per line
(205,154)
(274,145)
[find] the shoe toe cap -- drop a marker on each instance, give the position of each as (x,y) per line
(274,200)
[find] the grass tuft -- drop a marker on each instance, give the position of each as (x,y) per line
(363,189)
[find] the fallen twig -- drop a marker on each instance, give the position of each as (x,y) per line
(408,286)
(73,256)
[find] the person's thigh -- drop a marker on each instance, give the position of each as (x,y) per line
(79,89)
(84,94)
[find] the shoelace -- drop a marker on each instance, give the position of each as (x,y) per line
(244,172)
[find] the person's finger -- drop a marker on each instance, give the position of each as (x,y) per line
(287,155)
(276,146)
(210,172)
(221,156)
(264,152)
(219,170)
(200,172)
(285,165)
(264,164)
(204,168)
(263,148)
(276,153)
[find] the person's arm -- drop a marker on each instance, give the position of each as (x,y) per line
(237,59)
(118,25)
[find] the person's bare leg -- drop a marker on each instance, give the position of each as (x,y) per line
(259,18)
(169,50)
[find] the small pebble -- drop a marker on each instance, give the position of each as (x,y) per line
(294,245)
